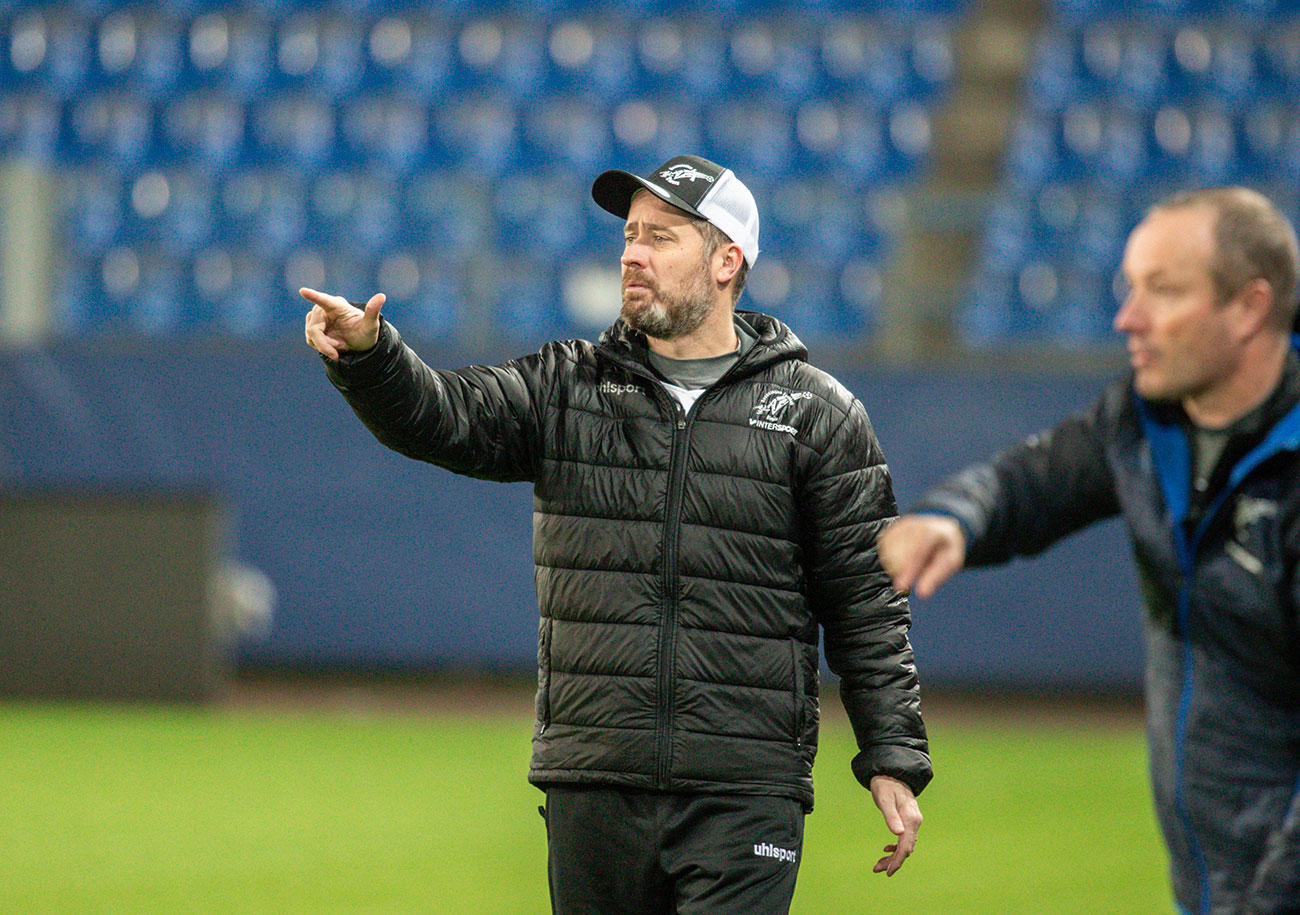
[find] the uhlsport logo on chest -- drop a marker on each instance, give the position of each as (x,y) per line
(772,410)
(611,387)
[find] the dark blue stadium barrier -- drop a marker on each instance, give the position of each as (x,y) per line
(383,562)
(1069,618)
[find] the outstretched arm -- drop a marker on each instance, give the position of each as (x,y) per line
(482,421)
(1017,504)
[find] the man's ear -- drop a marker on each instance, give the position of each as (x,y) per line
(1254,305)
(726,263)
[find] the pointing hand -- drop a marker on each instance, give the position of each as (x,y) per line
(921,552)
(335,325)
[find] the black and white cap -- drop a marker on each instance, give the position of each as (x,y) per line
(698,186)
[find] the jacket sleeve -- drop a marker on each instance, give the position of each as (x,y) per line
(482,421)
(848,499)
(1033,494)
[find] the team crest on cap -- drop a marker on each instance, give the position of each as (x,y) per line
(679,173)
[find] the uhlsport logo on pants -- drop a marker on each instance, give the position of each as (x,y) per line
(764,850)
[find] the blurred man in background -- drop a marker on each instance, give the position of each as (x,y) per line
(1199,450)
(705,503)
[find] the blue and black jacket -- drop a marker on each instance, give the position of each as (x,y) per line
(1218,577)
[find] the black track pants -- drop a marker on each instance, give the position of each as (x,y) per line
(619,852)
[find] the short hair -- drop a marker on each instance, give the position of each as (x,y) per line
(1252,240)
(715,238)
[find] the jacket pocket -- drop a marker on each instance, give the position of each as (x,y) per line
(796,660)
(543,675)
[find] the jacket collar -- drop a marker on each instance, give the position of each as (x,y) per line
(775,343)
(1171,450)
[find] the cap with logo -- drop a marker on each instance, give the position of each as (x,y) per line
(698,186)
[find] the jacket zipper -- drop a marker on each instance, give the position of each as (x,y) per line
(667,644)
(1187,545)
(1185,549)
(668,628)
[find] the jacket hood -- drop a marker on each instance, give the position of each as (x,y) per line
(776,342)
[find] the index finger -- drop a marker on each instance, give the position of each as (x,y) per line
(919,553)
(902,554)
(331,303)
(906,845)
(940,567)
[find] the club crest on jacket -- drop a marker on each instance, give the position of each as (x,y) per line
(771,409)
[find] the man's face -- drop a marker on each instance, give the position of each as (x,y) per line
(1179,343)
(668,287)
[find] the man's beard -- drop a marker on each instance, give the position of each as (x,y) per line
(664,316)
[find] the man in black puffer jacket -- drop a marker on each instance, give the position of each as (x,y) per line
(706,504)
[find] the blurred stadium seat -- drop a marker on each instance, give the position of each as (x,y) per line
(209,149)
(1122,106)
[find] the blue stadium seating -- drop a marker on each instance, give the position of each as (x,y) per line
(528,296)
(450,209)
(592,55)
(213,153)
(204,128)
(1123,107)
(244,309)
(433,286)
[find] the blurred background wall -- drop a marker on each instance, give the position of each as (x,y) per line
(945,185)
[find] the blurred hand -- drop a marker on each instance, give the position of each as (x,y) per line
(921,552)
(902,816)
(335,325)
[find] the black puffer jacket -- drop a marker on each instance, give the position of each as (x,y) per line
(684,564)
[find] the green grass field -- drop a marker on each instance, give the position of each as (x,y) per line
(248,810)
